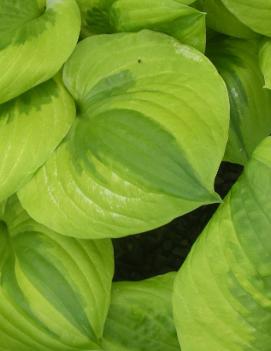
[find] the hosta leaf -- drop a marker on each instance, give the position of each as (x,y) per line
(265,62)
(222,293)
(54,290)
(150,109)
(220,19)
(173,17)
(256,14)
(31,127)
(237,62)
(140,316)
(36,38)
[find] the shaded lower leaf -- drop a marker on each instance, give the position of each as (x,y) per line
(140,316)
(54,291)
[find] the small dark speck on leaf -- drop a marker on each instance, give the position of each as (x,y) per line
(139,61)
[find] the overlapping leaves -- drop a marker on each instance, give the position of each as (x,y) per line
(145,146)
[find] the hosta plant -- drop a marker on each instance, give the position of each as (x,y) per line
(115,117)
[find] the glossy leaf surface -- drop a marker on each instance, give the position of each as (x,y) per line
(132,161)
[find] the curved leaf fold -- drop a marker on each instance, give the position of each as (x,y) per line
(256,14)
(220,19)
(237,62)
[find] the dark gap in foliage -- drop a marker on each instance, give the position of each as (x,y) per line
(3,227)
(164,249)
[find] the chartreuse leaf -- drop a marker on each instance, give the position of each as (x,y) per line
(265,62)
(255,14)
(36,38)
(237,62)
(150,110)
(31,127)
(220,19)
(173,17)
(140,316)
(222,293)
(54,290)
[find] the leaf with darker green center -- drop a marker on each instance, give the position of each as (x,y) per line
(54,291)
(36,38)
(150,110)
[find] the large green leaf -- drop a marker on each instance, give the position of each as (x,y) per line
(220,19)
(173,17)
(256,14)
(140,316)
(149,111)
(222,293)
(36,38)
(54,290)
(265,62)
(31,127)
(237,62)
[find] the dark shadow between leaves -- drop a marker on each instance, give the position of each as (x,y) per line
(164,249)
